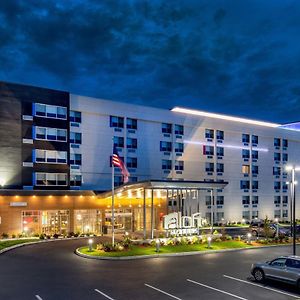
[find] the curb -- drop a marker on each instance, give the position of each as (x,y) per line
(39,242)
(77,252)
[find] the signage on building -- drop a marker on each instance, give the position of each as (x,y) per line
(176,224)
(16,204)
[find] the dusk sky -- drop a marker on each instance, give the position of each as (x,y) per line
(237,57)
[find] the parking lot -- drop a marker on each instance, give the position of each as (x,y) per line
(53,271)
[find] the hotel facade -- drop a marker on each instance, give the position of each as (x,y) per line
(56,173)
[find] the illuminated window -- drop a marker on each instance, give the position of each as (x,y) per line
(50,179)
(50,111)
(246,169)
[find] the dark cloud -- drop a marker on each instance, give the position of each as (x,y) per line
(236,57)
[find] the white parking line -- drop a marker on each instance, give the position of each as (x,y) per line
(103,294)
(212,288)
(38,297)
(263,287)
(163,292)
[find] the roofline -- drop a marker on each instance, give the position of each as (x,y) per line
(223,117)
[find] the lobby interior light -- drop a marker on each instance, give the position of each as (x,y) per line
(129,193)
(139,194)
(158,194)
(148,193)
(2,182)
(119,195)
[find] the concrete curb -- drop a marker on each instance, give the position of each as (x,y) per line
(77,252)
(39,242)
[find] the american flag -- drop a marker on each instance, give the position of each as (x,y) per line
(118,162)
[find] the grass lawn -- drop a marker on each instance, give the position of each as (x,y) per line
(144,250)
(9,243)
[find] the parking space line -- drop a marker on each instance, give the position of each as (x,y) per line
(38,297)
(103,294)
(263,287)
(161,291)
(215,289)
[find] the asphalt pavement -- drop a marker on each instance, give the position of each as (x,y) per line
(51,271)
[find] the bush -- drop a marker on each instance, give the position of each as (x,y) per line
(218,240)
(42,236)
(55,235)
(13,236)
(216,232)
(5,235)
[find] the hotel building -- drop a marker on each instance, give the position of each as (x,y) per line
(56,173)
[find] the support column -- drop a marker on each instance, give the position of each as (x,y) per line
(152,216)
(71,220)
(144,214)
(102,220)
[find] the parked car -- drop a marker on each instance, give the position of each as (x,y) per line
(258,229)
(283,268)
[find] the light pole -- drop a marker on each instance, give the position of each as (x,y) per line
(277,229)
(293,169)
(212,203)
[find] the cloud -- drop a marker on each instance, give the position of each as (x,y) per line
(222,56)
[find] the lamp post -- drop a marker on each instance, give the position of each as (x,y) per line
(293,169)
(212,203)
(276,221)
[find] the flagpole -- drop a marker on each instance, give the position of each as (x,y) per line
(113,198)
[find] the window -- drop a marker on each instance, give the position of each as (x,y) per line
(277,185)
(219,216)
(254,214)
(75,116)
(246,200)
(285,143)
(166,164)
(50,111)
(245,138)
(246,215)
(276,142)
(207,200)
(75,179)
(131,162)
(254,139)
(50,134)
(117,122)
(284,187)
(220,151)
(246,153)
(118,141)
(284,213)
(209,133)
(132,179)
(245,169)
(276,170)
(285,157)
(245,184)
(50,156)
(254,170)
(254,200)
(276,199)
(179,165)
(166,128)
(179,129)
(51,179)
(131,123)
(208,150)
(75,159)
(209,167)
(277,213)
(179,147)
(276,156)
(75,137)
(220,135)
(220,168)
(165,146)
(254,184)
(285,200)
(131,143)
(118,180)
(220,200)
(254,154)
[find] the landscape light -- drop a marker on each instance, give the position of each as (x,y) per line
(249,235)
(90,242)
(209,242)
(157,244)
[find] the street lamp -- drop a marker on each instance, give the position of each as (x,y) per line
(293,169)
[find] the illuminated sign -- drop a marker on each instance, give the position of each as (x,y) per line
(176,224)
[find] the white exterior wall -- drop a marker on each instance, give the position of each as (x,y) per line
(96,149)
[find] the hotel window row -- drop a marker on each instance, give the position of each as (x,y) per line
(278,185)
(49,111)
(277,157)
(50,179)
(167,165)
(210,167)
(209,150)
(167,147)
(246,169)
(246,200)
(50,134)
(277,142)
(50,156)
(119,142)
(245,184)
(246,139)
(118,122)
(167,128)
(209,134)
(277,199)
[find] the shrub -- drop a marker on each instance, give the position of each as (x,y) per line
(170,242)
(216,232)
(13,236)
(218,240)
(55,235)
(126,242)
(5,235)
(42,236)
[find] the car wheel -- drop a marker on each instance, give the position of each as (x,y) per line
(254,233)
(258,275)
